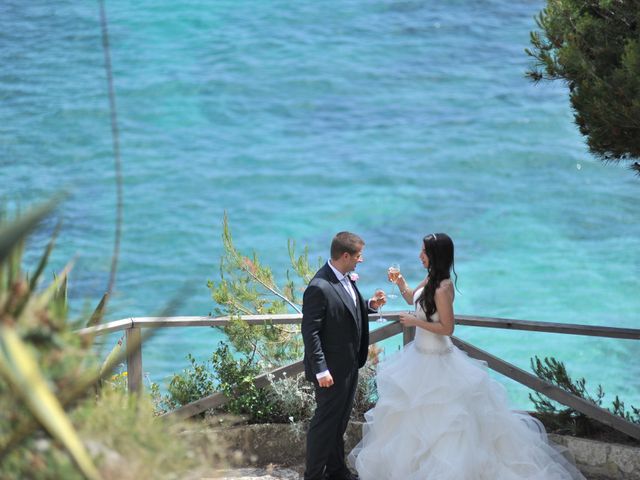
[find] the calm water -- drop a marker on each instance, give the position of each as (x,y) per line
(392,119)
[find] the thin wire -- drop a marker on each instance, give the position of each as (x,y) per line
(116,148)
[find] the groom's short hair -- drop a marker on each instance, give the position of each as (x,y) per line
(345,242)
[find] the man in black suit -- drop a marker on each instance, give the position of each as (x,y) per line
(335,330)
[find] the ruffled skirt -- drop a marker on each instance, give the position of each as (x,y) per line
(441,416)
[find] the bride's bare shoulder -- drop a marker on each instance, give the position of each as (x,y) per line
(446,288)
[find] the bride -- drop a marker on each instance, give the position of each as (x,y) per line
(439,415)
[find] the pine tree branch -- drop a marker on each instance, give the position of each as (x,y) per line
(272,290)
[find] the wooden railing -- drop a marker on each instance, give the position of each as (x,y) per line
(133,326)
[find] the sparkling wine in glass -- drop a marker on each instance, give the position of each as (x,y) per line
(394,273)
(379,295)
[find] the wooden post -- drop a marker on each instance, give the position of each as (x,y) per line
(134,360)
(408,334)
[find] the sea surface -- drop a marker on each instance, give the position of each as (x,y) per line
(392,119)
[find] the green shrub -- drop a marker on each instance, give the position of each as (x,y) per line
(235,379)
(565,419)
(292,399)
(195,382)
(221,373)
(286,400)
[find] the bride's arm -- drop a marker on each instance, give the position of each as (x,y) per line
(406,291)
(444,306)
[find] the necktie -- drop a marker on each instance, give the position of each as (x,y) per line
(349,288)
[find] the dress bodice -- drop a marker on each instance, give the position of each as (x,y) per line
(426,341)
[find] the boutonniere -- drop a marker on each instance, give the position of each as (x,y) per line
(354,276)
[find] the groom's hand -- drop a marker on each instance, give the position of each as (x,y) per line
(326,381)
(378,300)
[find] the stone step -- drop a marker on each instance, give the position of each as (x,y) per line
(270,472)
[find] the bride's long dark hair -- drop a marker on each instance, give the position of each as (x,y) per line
(439,250)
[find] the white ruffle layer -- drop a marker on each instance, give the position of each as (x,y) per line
(440,416)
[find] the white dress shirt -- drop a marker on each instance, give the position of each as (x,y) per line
(346,283)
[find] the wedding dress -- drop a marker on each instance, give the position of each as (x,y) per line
(440,416)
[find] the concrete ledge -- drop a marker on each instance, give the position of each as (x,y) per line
(284,444)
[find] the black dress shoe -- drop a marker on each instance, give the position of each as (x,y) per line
(343,476)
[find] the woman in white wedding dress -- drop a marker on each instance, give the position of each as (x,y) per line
(439,415)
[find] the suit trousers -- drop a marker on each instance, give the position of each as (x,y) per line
(325,438)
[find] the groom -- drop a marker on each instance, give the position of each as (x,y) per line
(335,331)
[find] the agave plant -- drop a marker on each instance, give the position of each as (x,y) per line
(49,382)
(45,367)
(32,329)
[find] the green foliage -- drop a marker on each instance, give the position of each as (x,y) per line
(301,264)
(129,442)
(236,382)
(195,382)
(287,400)
(40,357)
(54,421)
(619,409)
(594,46)
(565,418)
(366,392)
(225,373)
(292,399)
(246,287)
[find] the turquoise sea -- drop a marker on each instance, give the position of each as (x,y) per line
(389,118)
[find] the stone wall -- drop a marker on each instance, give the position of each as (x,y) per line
(285,445)
(600,460)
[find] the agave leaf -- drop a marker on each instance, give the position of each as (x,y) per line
(20,370)
(45,299)
(45,258)
(14,263)
(36,276)
(59,302)
(16,231)
(53,290)
(98,313)
(4,285)
(81,388)
(62,291)
(112,359)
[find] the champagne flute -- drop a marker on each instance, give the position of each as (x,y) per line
(394,273)
(379,295)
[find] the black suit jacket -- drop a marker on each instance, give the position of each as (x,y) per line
(335,331)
